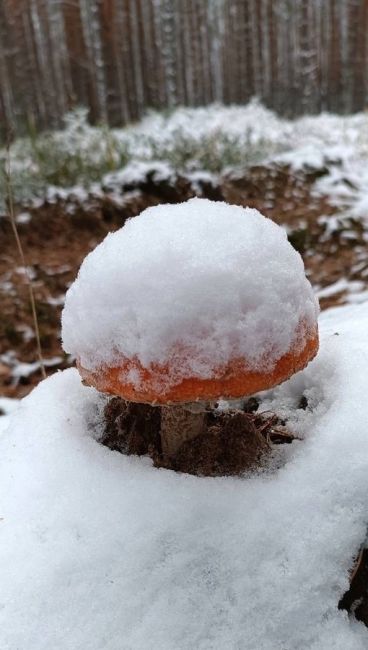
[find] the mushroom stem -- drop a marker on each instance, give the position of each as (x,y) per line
(178,424)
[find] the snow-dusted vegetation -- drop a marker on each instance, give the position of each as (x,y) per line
(199,143)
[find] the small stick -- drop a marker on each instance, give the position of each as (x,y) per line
(11,215)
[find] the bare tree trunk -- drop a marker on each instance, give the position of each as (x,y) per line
(120,57)
(307,55)
(7,102)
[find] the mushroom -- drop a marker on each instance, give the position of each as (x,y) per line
(188,304)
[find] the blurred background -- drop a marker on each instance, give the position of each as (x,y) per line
(120,57)
(111,106)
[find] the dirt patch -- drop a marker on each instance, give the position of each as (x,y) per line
(231,445)
(232,442)
(132,428)
(355,600)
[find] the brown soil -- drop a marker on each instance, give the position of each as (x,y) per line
(231,443)
(60,234)
(355,601)
(132,428)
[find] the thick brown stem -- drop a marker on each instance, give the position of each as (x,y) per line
(179,424)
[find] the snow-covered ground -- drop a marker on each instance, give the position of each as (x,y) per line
(100,550)
(204,142)
(7,406)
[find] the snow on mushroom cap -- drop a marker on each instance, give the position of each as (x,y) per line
(216,280)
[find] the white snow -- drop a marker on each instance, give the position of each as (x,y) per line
(137,171)
(100,550)
(219,282)
(22,369)
(332,289)
(354,290)
(4,422)
(23,217)
(7,406)
(358,297)
(346,184)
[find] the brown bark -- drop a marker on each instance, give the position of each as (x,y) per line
(120,57)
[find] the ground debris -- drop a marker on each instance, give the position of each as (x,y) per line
(233,442)
(355,600)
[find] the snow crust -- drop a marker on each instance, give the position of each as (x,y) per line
(220,282)
(104,551)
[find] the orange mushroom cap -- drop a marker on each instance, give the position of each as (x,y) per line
(233,380)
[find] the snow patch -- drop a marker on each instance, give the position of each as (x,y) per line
(7,406)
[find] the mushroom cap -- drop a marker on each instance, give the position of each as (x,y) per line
(232,381)
(193,301)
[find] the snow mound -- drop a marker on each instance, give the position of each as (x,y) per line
(219,281)
(7,406)
(100,550)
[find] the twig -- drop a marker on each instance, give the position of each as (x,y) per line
(11,214)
